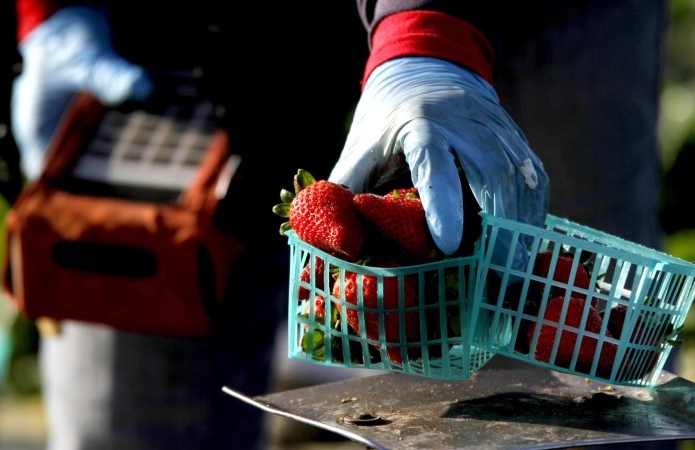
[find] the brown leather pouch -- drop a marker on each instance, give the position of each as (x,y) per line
(150,264)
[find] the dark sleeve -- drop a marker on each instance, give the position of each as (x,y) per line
(371,12)
(10,175)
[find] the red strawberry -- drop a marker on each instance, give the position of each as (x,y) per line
(319,308)
(568,339)
(616,320)
(401,219)
(561,274)
(307,275)
(453,285)
(642,360)
(390,302)
(313,342)
(322,214)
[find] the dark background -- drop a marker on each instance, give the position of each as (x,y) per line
(10,181)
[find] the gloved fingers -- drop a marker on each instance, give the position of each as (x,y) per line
(505,175)
(442,118)
(366,157)
(69,52)
(38,101)
(72,50)
(434,173)
(354,168)
(113,80)
(507,179)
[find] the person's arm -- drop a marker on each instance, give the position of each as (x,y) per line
(428,100)
(65,48)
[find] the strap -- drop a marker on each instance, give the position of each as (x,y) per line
(200,194)
(76,128)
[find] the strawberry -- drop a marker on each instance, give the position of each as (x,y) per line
(322,214)
(314,342)
(568,339)
(449,299)
(616,320)
(306,276)
(400,217)
(643,360)
(562,272)
(350,285)
(319,308)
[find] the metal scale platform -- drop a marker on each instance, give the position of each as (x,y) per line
(519,408)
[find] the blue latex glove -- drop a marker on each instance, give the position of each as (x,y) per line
(434,113)
(71,51)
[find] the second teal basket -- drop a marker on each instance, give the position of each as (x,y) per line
(642,297)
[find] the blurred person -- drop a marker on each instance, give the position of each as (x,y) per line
(446,86)
(110,389)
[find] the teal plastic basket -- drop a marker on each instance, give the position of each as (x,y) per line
(654,290)
(447,319)
(413,320)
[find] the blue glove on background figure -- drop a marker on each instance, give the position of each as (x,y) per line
(69,52)
(438,115)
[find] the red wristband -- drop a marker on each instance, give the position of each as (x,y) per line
(431,33)
(31,13)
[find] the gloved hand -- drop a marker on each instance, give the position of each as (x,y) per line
(437,114)
(71,51)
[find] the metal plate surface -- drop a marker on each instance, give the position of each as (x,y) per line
(527,408)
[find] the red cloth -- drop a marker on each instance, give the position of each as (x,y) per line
(430,33)
(31,13)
